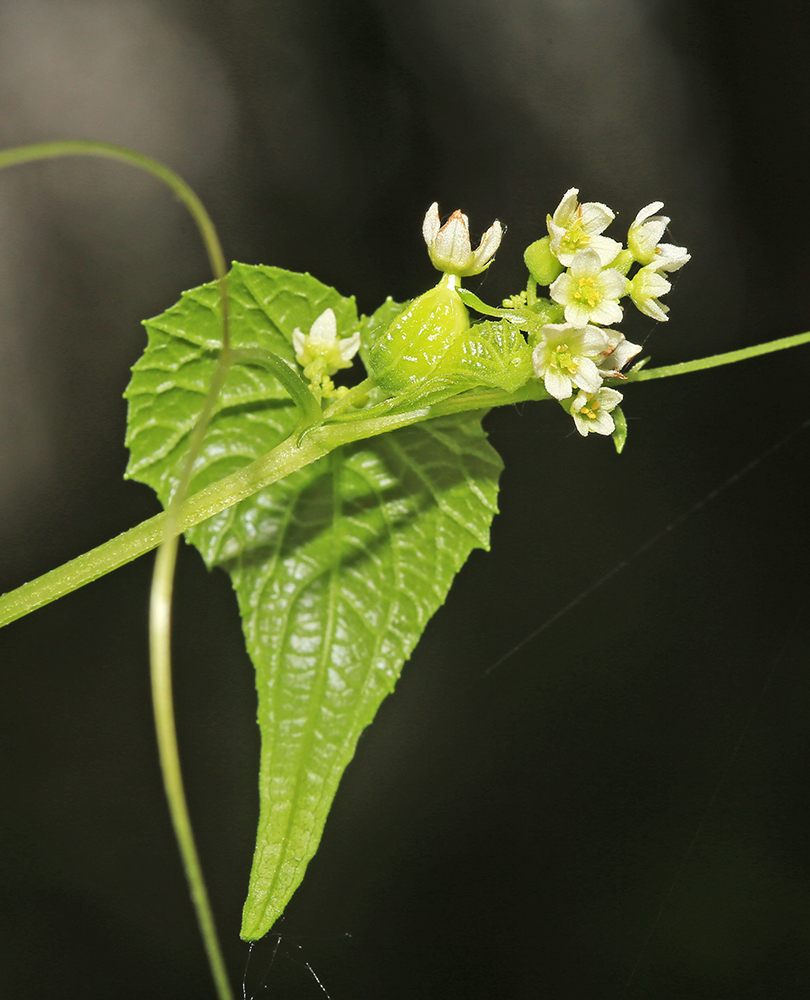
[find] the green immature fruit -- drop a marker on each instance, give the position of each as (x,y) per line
(542,264)
(421,339)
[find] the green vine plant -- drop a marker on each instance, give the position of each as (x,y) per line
(342,513)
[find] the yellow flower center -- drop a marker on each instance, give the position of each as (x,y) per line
(574,238)
(590,409)
(562,358)
(587,290)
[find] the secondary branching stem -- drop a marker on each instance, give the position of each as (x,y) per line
(716,360)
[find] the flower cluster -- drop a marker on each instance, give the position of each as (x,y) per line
(587,275)
(570,342)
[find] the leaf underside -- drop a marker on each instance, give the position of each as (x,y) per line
(337,568)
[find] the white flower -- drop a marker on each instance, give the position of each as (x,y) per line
(563,357)
(576,227)
(643,240)
(449,244)
(591,411)
(322,345)
(645,289)
(620,351)
(589,294)
(669,257)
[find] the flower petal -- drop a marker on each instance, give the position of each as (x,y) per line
(324,329)
(587,376)
(621,352)
(586,263)
(646,212)
(612,283)
(557,385)
(607,248)
(452,243)
(490,242)
(564,212)
(594,341)
(595,217)
(349,346)
(432,224)
(299,344)
(670,258)
(653,309)
(606,312)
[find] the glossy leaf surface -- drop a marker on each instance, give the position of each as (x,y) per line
(337,568)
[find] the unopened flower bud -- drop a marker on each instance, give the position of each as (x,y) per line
(543,266)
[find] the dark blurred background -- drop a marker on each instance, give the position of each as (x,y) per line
(622,793)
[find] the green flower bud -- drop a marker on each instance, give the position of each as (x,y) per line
(542,264)
(622,262)
(419,340)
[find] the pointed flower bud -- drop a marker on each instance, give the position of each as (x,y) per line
(321,349)
(449,244)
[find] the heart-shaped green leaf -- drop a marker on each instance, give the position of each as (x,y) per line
(337,568)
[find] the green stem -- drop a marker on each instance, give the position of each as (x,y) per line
(160,602)
(720,359)
(160,667)
(299,391)
(471,299)
(80,147)
(285,459)
(344,402)
(282,461)
(163,580)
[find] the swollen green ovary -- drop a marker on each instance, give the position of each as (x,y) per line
(420,339)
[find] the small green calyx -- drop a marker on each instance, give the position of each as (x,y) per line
(542,264)
(419,340)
